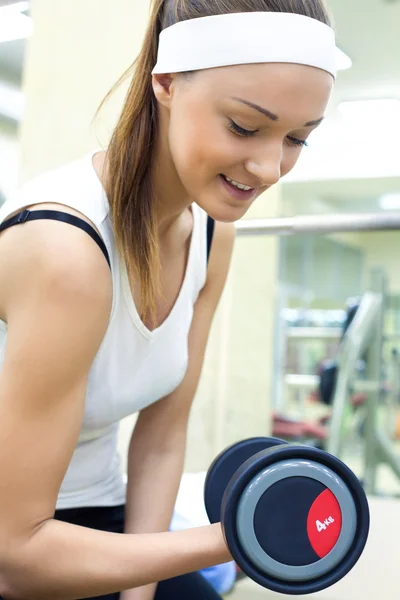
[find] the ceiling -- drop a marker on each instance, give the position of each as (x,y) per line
(369,32)
(12,55)
(12,60)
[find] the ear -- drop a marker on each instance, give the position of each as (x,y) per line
(163,88)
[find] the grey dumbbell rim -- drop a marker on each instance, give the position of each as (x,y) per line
(251,496)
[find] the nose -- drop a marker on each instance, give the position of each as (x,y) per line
(267,168)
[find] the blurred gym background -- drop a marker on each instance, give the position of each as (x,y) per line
(296,307)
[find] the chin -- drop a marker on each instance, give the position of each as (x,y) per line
(223,214)
(223,211)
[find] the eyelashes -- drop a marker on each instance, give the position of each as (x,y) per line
(236,129)
(297,142)
(239,130)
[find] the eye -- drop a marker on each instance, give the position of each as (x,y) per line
(296,142)
(292,141)
(239,130)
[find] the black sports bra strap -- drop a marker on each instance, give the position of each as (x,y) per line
(210,235)
(55,215)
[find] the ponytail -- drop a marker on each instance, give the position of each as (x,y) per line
(129,161)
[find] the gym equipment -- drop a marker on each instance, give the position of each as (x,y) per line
(321,224)
(365,337)
(295,518)
(365,334)
(329,369)
(295,430)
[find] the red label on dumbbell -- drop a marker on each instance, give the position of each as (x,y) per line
(324,523)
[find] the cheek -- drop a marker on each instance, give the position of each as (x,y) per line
(200,145)
(189,144)
(290,158)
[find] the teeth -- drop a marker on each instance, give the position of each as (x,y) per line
(246,188)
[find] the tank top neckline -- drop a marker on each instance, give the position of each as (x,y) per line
(147,333)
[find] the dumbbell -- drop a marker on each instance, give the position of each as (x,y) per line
(295,518)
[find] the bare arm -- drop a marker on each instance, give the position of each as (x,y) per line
(157,449)
(56,297)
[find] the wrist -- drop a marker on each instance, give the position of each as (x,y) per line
(222,553)
(141,593)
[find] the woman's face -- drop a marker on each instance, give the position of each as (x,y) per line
(245,123)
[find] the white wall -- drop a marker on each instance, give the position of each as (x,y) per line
(77,52)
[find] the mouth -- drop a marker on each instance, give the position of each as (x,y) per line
(236,189)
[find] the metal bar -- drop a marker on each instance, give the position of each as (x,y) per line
(374,372)
(295,380)
(314,333)
(302,381)
(321,224)
(386,453)
(353,344)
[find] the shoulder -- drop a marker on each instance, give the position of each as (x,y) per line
(222,243)
(39,186)
(74,184)
(225,233)
(52,260)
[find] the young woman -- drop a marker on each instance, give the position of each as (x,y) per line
(106,298)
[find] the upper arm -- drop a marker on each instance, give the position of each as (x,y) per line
(219,263)
(210,295)
(55,295)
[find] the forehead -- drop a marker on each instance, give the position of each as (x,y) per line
(279,87)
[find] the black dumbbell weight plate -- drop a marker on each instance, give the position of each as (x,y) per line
(295,518)
(225,466)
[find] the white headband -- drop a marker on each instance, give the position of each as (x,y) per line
(246,38)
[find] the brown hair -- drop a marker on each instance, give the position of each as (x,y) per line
(130,152)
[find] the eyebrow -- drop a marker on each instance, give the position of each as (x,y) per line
(271,115)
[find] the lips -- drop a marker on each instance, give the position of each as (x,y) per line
(235,192)
(233,182)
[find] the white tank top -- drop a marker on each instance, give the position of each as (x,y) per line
(134,367)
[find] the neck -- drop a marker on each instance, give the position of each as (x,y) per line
(172,199)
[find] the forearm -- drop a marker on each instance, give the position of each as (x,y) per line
(63,561)
(153,482)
